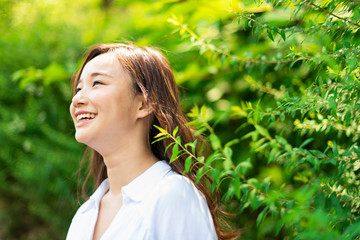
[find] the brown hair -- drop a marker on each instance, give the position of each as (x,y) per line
(153,77)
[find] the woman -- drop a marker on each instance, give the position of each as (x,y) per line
(121,91)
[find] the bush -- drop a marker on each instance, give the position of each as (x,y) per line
(276,87)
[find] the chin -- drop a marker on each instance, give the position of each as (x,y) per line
(87,140)
(81,138)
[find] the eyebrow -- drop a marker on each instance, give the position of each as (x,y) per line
(95,74)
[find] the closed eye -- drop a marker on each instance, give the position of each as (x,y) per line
(77,90)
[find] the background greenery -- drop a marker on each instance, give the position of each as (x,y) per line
(273,84)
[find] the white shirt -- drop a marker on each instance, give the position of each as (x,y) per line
(159,204)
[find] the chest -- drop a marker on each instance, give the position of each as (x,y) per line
(108,209)
(129,222)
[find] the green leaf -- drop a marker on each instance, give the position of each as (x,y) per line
(215,176)
(244,166)
(261,216)
(250,134)
(258,31)
(159,135)
(201,159)
(175,153)
(178,140)
(232,142)
(192,145)
(283,34)
(203,49)
(194,112)
(228,152)
(188,162)
(317,153)
(213,157)
(347,118)
(281,140)
(215,141)
(332,104)
(234,188)
(254,199)
(270,34)
(203,112)
(168,146)
(160,129)
(263,131)
(352,62)
(266,186)
(335,149)
(199,174)
(159,139)
(175,131)
(235,62)
(352,231)
(274,154)
(307,141)
(257,145)
(227,164)
(279,225)
(222,59)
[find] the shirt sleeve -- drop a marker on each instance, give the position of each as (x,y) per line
(181,212)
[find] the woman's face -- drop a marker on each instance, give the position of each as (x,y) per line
(105,107)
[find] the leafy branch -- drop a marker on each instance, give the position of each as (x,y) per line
(206,45)
(271,30)
(330,13)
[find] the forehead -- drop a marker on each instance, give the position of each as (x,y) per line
(105,64)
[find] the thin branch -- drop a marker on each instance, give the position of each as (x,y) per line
(293,29)
(330,13)
(237,58)
(214,49)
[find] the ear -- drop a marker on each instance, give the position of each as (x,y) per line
(144,107)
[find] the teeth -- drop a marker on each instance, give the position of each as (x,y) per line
(85,115)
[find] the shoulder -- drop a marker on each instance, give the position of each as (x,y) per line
(178,197)
(180,210)
(174,186)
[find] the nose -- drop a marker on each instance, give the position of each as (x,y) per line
(79,99)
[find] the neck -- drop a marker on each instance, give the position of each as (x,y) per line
(125,164)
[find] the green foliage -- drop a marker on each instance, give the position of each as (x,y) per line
(277,81)
(308,125)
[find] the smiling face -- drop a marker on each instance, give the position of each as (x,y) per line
(105,108)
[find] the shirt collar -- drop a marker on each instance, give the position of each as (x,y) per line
(100,191)
(138,189)
(95,198)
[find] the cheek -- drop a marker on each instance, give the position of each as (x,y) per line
(98,97)
(72,111)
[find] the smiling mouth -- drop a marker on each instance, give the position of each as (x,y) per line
(85,116)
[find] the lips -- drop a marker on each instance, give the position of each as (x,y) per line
(83,117)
